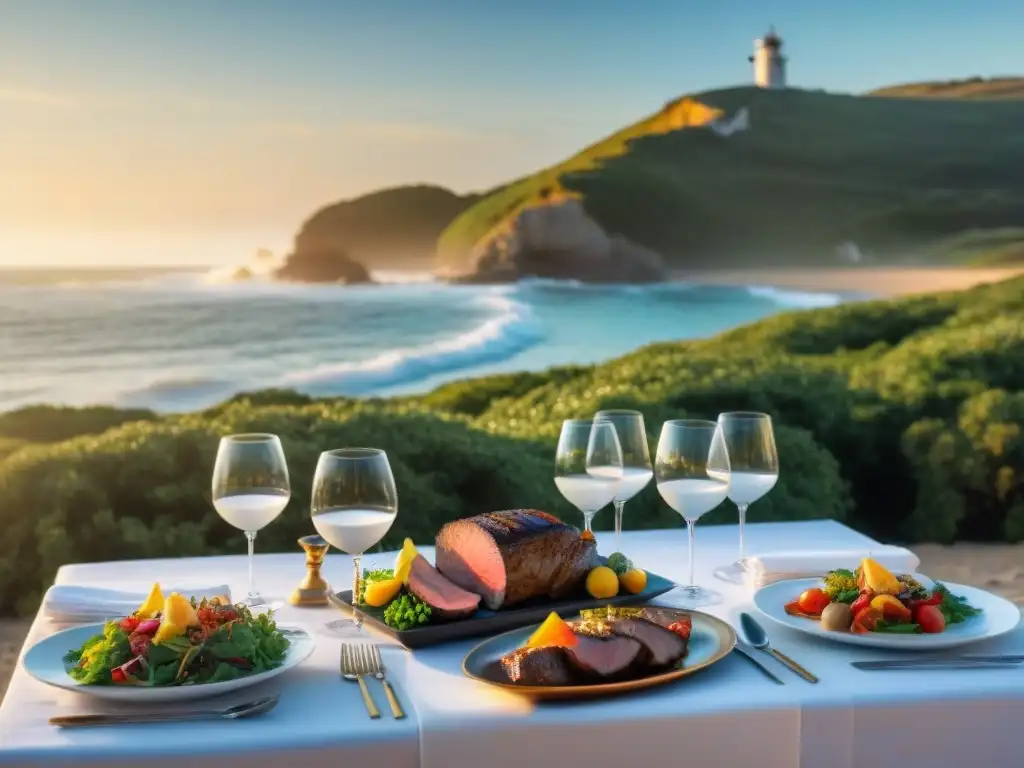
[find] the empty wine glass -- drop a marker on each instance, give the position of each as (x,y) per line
(692,471)
(250,489)
(750,441)
(588,467)
(636,460)
(354,503)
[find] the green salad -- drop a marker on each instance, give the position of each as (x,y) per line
(183,642)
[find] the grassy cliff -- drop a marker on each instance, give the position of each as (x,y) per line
(894,175)
(391,228)
(904,418)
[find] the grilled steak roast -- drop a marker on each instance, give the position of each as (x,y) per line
(446,600)
(606,651)
(511,556)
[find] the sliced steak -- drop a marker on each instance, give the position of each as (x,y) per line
(537,666)
(664,647)
(605,658)
(512,556)
(446,600)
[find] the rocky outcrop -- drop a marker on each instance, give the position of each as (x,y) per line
(559,240)
(323,266)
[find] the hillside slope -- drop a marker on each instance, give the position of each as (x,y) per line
(812,171)
(969,88)
(393,228)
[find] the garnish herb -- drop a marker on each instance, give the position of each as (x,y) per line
(954,608)
(841,586)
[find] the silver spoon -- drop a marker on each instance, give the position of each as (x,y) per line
(237,712)
(758,638)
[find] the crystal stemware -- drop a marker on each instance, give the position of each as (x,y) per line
(750,441)
(354,503)
(636,460)
(692,472)
(250,489)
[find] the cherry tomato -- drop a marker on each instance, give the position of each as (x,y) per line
(681,628)
(130,624)
(861,602)
(117,675)
(929,618)
(813,601)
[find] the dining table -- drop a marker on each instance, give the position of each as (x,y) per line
(729,714)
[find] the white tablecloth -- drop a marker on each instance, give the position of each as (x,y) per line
(729,715)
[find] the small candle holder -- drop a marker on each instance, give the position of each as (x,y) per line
(312,591)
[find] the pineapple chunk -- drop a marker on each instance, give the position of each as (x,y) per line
(404,562)
(878,579)
(152,605)
(178,616)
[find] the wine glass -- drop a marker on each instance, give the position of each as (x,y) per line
(692,471)
(250,489)
(588,467)
(636,460)
(750,442)
(354,503)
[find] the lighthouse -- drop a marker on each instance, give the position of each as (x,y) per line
(769,63)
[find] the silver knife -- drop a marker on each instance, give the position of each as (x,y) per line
(757,662)
(960,662)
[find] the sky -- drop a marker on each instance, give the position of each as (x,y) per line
(195,131)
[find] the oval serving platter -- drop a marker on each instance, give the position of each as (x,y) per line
(45,662)
(711,640)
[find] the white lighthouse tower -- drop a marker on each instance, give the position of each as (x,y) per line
(769,63)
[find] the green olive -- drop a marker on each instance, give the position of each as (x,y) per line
(837,617)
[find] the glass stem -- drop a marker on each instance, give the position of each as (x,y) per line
(250,537)
(689,535)
(618,524)
(357,619)
(587,518)
(743,521)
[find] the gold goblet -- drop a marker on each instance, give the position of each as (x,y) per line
(312,591)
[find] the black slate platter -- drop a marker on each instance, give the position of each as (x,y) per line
(485,622)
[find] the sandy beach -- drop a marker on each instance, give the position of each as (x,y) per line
(875,281)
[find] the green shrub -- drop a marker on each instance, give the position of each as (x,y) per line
(49,423)
(902,418)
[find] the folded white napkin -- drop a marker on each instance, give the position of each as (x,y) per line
(769,567)
(66,602)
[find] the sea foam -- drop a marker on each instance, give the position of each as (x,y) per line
(512,329)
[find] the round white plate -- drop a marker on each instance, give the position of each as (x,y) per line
(998,617)
(45,662)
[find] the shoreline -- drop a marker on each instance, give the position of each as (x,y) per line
(878,282)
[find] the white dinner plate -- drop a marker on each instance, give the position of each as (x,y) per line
(998,616)
(45,662)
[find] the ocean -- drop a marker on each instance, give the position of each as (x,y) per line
(176,341)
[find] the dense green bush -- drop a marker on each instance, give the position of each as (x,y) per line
(48,424)
(902,418)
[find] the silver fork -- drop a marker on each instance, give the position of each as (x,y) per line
(375,664)
(353,672)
